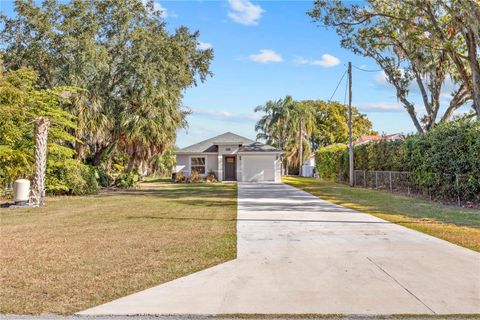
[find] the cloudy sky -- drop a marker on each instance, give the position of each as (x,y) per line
(265,50)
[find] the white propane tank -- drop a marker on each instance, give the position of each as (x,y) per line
(21,191)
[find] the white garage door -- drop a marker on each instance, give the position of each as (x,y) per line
(258,168)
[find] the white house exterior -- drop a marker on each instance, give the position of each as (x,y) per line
(309,166)
(232,158)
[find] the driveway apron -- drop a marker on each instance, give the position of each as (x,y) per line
(298,254)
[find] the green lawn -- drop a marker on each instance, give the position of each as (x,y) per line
(455,224)
(78,252)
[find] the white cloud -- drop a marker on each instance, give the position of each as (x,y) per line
(266,56)
(326,61)
(204,46)
(157,7)
(245,12)
(380,106)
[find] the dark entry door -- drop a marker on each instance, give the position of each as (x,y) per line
(230,169)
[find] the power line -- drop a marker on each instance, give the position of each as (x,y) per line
(365,70)
(337,86)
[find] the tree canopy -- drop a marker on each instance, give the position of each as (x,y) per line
(130,70)
(416,42)
(298,127)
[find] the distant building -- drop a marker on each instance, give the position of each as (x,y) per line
(308,167)
(370,138)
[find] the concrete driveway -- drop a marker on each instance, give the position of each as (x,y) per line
(300,254)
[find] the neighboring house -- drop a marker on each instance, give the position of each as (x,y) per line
(309,166)
(232,158)
(369,138)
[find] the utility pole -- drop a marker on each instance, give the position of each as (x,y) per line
(350,125)
(300,169)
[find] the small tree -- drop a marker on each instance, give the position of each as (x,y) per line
(31,119)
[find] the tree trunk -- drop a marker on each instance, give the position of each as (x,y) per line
(475,67)
(80,150)
(37,194)
(97,157)
(131,164)
(300,155)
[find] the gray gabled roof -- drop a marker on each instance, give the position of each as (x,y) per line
(258,147)
(211,145)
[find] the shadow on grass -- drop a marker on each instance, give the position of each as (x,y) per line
(157,180)
(176,191)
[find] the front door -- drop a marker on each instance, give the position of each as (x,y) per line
(230,169)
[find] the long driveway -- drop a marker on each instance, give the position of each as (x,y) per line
(300,254)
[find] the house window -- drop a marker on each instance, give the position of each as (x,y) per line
(197,164)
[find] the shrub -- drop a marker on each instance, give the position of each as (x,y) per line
(180,177)
(105,179)
(444,162)
(70,176)
(438,156)
(328,161)
(194,176)
(126,180)
(91,185)
(211,177)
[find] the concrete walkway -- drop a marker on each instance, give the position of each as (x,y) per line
(299,254)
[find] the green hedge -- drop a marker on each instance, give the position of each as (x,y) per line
(328,161)
(433,158)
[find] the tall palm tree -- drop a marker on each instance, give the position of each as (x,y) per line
(149,130)
(305,119)
(273,126)
(288,125)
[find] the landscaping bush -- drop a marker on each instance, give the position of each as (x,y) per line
(104,178)
(180,177)
(70,176)
(126,180)
(91,186)
(211,177)
(194,176)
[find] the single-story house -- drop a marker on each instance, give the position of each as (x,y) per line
(232,158)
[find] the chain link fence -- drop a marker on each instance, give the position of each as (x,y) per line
(447,187)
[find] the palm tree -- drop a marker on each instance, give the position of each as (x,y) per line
(150,130)
(273,126)
(287,125)
(305,119)
(37,196)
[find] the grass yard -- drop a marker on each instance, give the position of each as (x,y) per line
(78,252)
(455,224)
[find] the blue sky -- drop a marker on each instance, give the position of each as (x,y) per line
(265,50)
